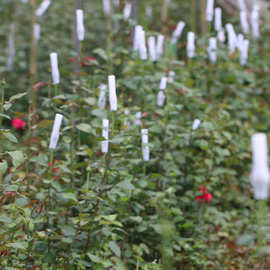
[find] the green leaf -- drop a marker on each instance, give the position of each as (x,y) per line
(18,96)
(115,248)
(10,137)
(3,166)
(126,185)
(17,157)
(11,188)
(101,53)
(69,196)
(68,230)
(245,239)
(18,245)
(90,101)
(84,127)
(5,219)
(41,159)
(4,116)
(94,258)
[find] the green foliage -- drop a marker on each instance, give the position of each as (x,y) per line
(80,209)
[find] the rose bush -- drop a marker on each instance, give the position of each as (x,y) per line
(189,207)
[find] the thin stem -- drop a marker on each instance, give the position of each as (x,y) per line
(48,199)
(164,16)
(260,219)
(87,179)
(113,123)
(55,89)
(33,58)
(2,103)
(193,15)
(109,39)
(203,19)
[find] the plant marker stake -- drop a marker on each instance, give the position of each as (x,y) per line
(240,40)
(11,47)
(112,93)
(171,76)
(160,98)
(145,146)
(137,29)
(138,117)
(260,175)
(80,25)
(232,39)
(221,36)
(54,68)
(102,97)
(254,19)
(209,10)
(105,129)
(244,22)
(149,11)
(55,131)
(242,5)
(142,46)
(116,3)
(43,7)
(163,83)
(106,7)
(244,52)
(37,32)
(177,32)
(127,10)
(190,44)
(218,19)
(162,87)
(196,124)
(152,48)
(212,50)
(160,44)
(105,135)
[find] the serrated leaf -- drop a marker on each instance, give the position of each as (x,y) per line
(90,101)
(4,116)
(94,258)
(101,53)
(17,157)
(114,248)
(245,239)
(69,196)
(18,245)
(18,96)
(10,137)
(5,219)
(68,230)
(84,127)
(3,166)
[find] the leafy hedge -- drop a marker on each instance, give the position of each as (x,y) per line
(78,208)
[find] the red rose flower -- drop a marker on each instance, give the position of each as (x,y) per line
(18,123)
(205,196)
(202,189)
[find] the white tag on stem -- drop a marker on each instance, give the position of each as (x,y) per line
(260,175)
(112,93)
(54,68)
(80,25)
(55,131)
(43,7)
